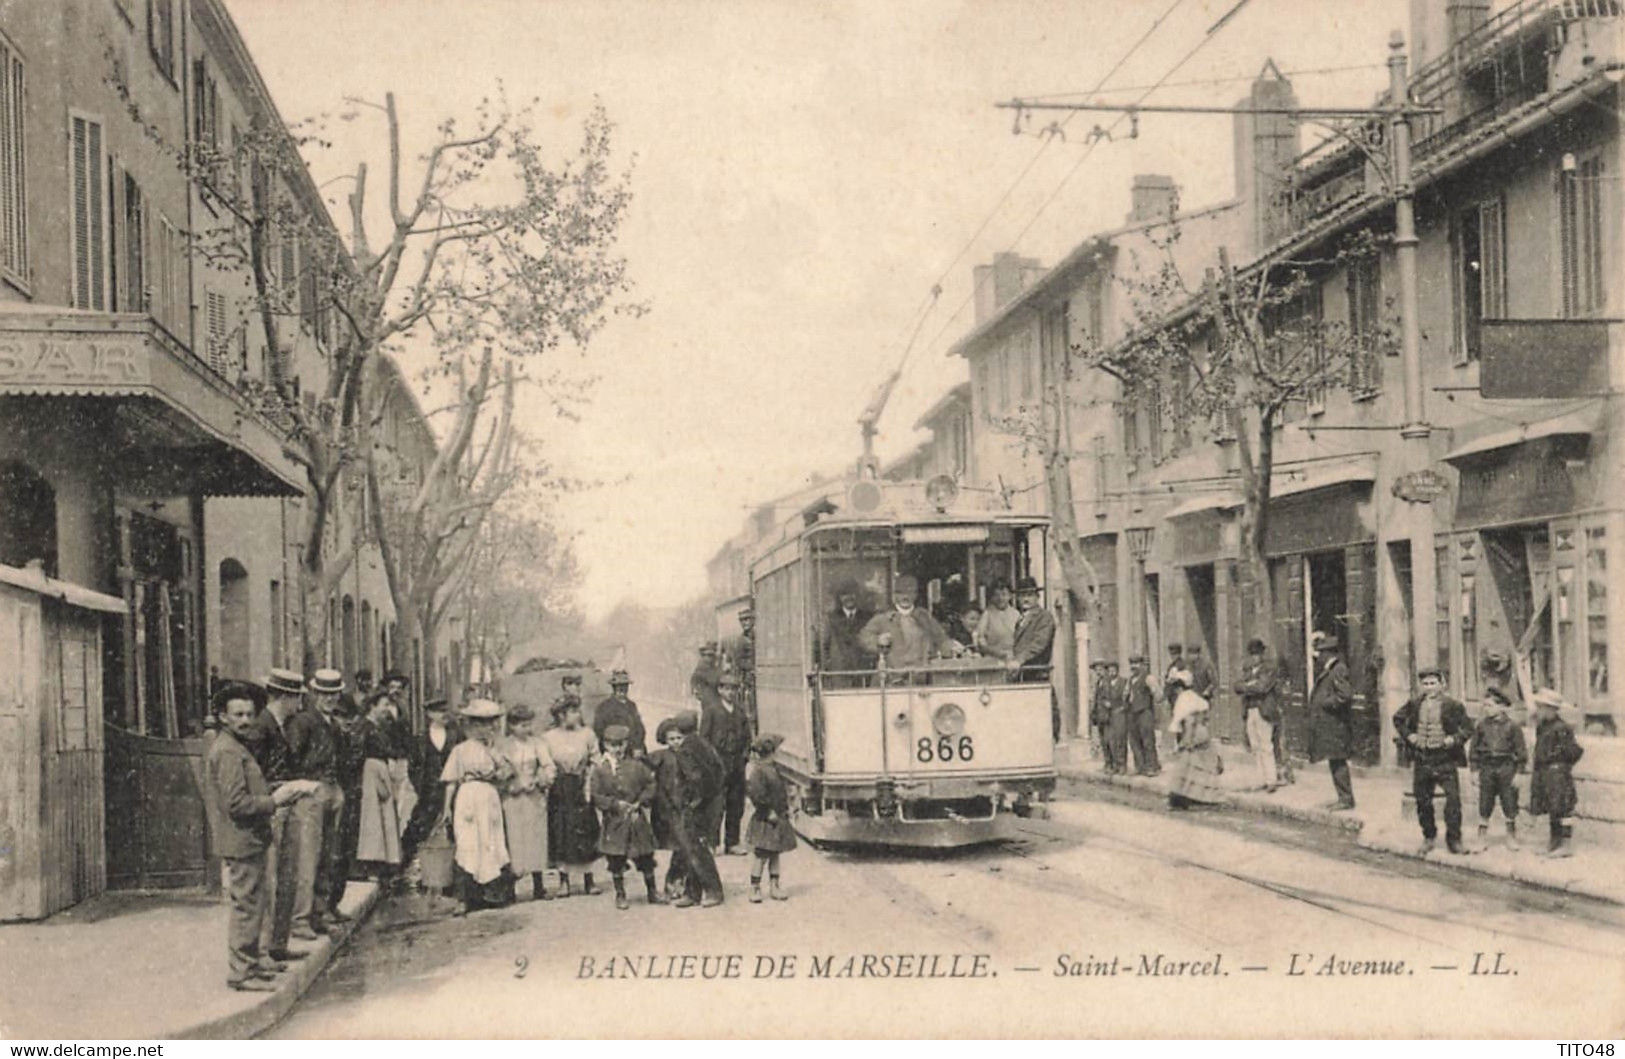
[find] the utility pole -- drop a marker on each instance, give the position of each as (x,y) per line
(1424,567)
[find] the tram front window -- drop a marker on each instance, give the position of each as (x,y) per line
(931,604)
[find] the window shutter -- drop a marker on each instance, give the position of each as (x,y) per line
(288,268)
(1492,252)
(215,314)
(89,221)
(13,209)
(1594,282)
(1568,226)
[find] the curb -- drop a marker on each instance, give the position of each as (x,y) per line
(273,1007)
(1355,826)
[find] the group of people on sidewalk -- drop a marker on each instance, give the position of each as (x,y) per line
(304,789)
(1434,730)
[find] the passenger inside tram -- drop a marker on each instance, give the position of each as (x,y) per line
(928,604)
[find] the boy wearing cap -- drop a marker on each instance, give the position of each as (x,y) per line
(240,806)
(1499,754)
(622,790)
(618,709)
(1436,728)
(700,801)
(1551,787)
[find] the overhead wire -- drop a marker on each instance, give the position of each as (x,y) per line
(1089,150)
(936,286)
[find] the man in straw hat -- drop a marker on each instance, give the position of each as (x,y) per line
(313,740)
(1331,720)
(284,690)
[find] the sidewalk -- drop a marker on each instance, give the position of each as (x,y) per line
(145,966)
(1597,868)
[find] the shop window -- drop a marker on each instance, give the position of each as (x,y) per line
(27,517)
(13,167)
(1596,560)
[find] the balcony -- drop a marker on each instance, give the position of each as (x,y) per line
(1532,359)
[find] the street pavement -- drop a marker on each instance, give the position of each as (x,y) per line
(1205,924)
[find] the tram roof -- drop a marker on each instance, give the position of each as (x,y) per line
(898,504)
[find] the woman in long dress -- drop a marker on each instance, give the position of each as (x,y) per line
(474,774)
(378,833)
(524,799)
(1197,767)
(572,825)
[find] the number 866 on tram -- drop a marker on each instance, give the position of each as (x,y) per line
(897,731)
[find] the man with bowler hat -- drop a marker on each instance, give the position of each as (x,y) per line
(618,709)
(1331,718)
(1140,694)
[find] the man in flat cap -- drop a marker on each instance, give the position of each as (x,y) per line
(621,710)
(907,634)
(727,729)
(240,806)
(1140,695)
(1436,728)
(1331,718)
(702,683)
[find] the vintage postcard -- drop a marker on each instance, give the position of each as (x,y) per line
(833,519)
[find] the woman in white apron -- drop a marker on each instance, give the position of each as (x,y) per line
(474,775)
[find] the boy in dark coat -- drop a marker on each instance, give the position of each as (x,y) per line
(700,796)
(770,832)
(1436,728)
(240,805)
(622,790)
(1499,754)
(1331,721)
(665,815)
(1551,788)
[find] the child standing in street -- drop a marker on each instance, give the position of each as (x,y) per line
(769,833)
(1551,787)
(1499,753)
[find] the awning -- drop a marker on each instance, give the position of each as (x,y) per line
(176,423)
(1199,504)
(36,582)
(1583,421)
(1307,480)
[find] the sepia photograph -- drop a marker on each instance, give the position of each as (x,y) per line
(811,519)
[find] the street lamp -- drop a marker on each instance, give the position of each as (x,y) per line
(1140,539)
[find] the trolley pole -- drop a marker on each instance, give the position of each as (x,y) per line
(1414,431)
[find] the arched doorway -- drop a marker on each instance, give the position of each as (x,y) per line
(236,661)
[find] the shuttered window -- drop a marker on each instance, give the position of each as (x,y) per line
(132,257)
(88,168)
(169,264)
(1580,223)
(13,171)
(219,353)
(1480,252)
(1365,327)
(161,35)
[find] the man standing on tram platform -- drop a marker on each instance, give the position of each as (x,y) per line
(702,683)
(908,635)
(1034,640)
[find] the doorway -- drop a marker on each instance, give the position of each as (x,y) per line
(1199,582)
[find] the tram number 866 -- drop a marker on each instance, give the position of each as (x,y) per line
(945,749)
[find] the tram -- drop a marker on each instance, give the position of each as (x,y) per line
(942,754)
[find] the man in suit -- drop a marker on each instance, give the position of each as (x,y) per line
(702,683)
(840,649)
(907,634)
(440,735)
(1114,707)
(1034,639)
(1203,681)
(699,796)
(1260,691)
(284,694)
(314,741)
(1331,719)
(1140,693)
(727,729)
(618,709)
(240,805)
(1436,728)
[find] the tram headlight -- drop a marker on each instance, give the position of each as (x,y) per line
(948,719)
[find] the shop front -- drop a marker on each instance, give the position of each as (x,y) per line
(1524,566)
(111,436)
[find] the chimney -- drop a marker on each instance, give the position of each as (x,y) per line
(1436,25)
(1153,198)
(1265,149)
(997,284)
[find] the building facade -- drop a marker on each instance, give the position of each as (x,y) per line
(150,511)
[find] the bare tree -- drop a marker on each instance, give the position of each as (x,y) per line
(521,584)
(482,243)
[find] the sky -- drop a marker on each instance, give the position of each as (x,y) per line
(805,173)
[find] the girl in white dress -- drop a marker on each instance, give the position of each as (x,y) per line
(473,776)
